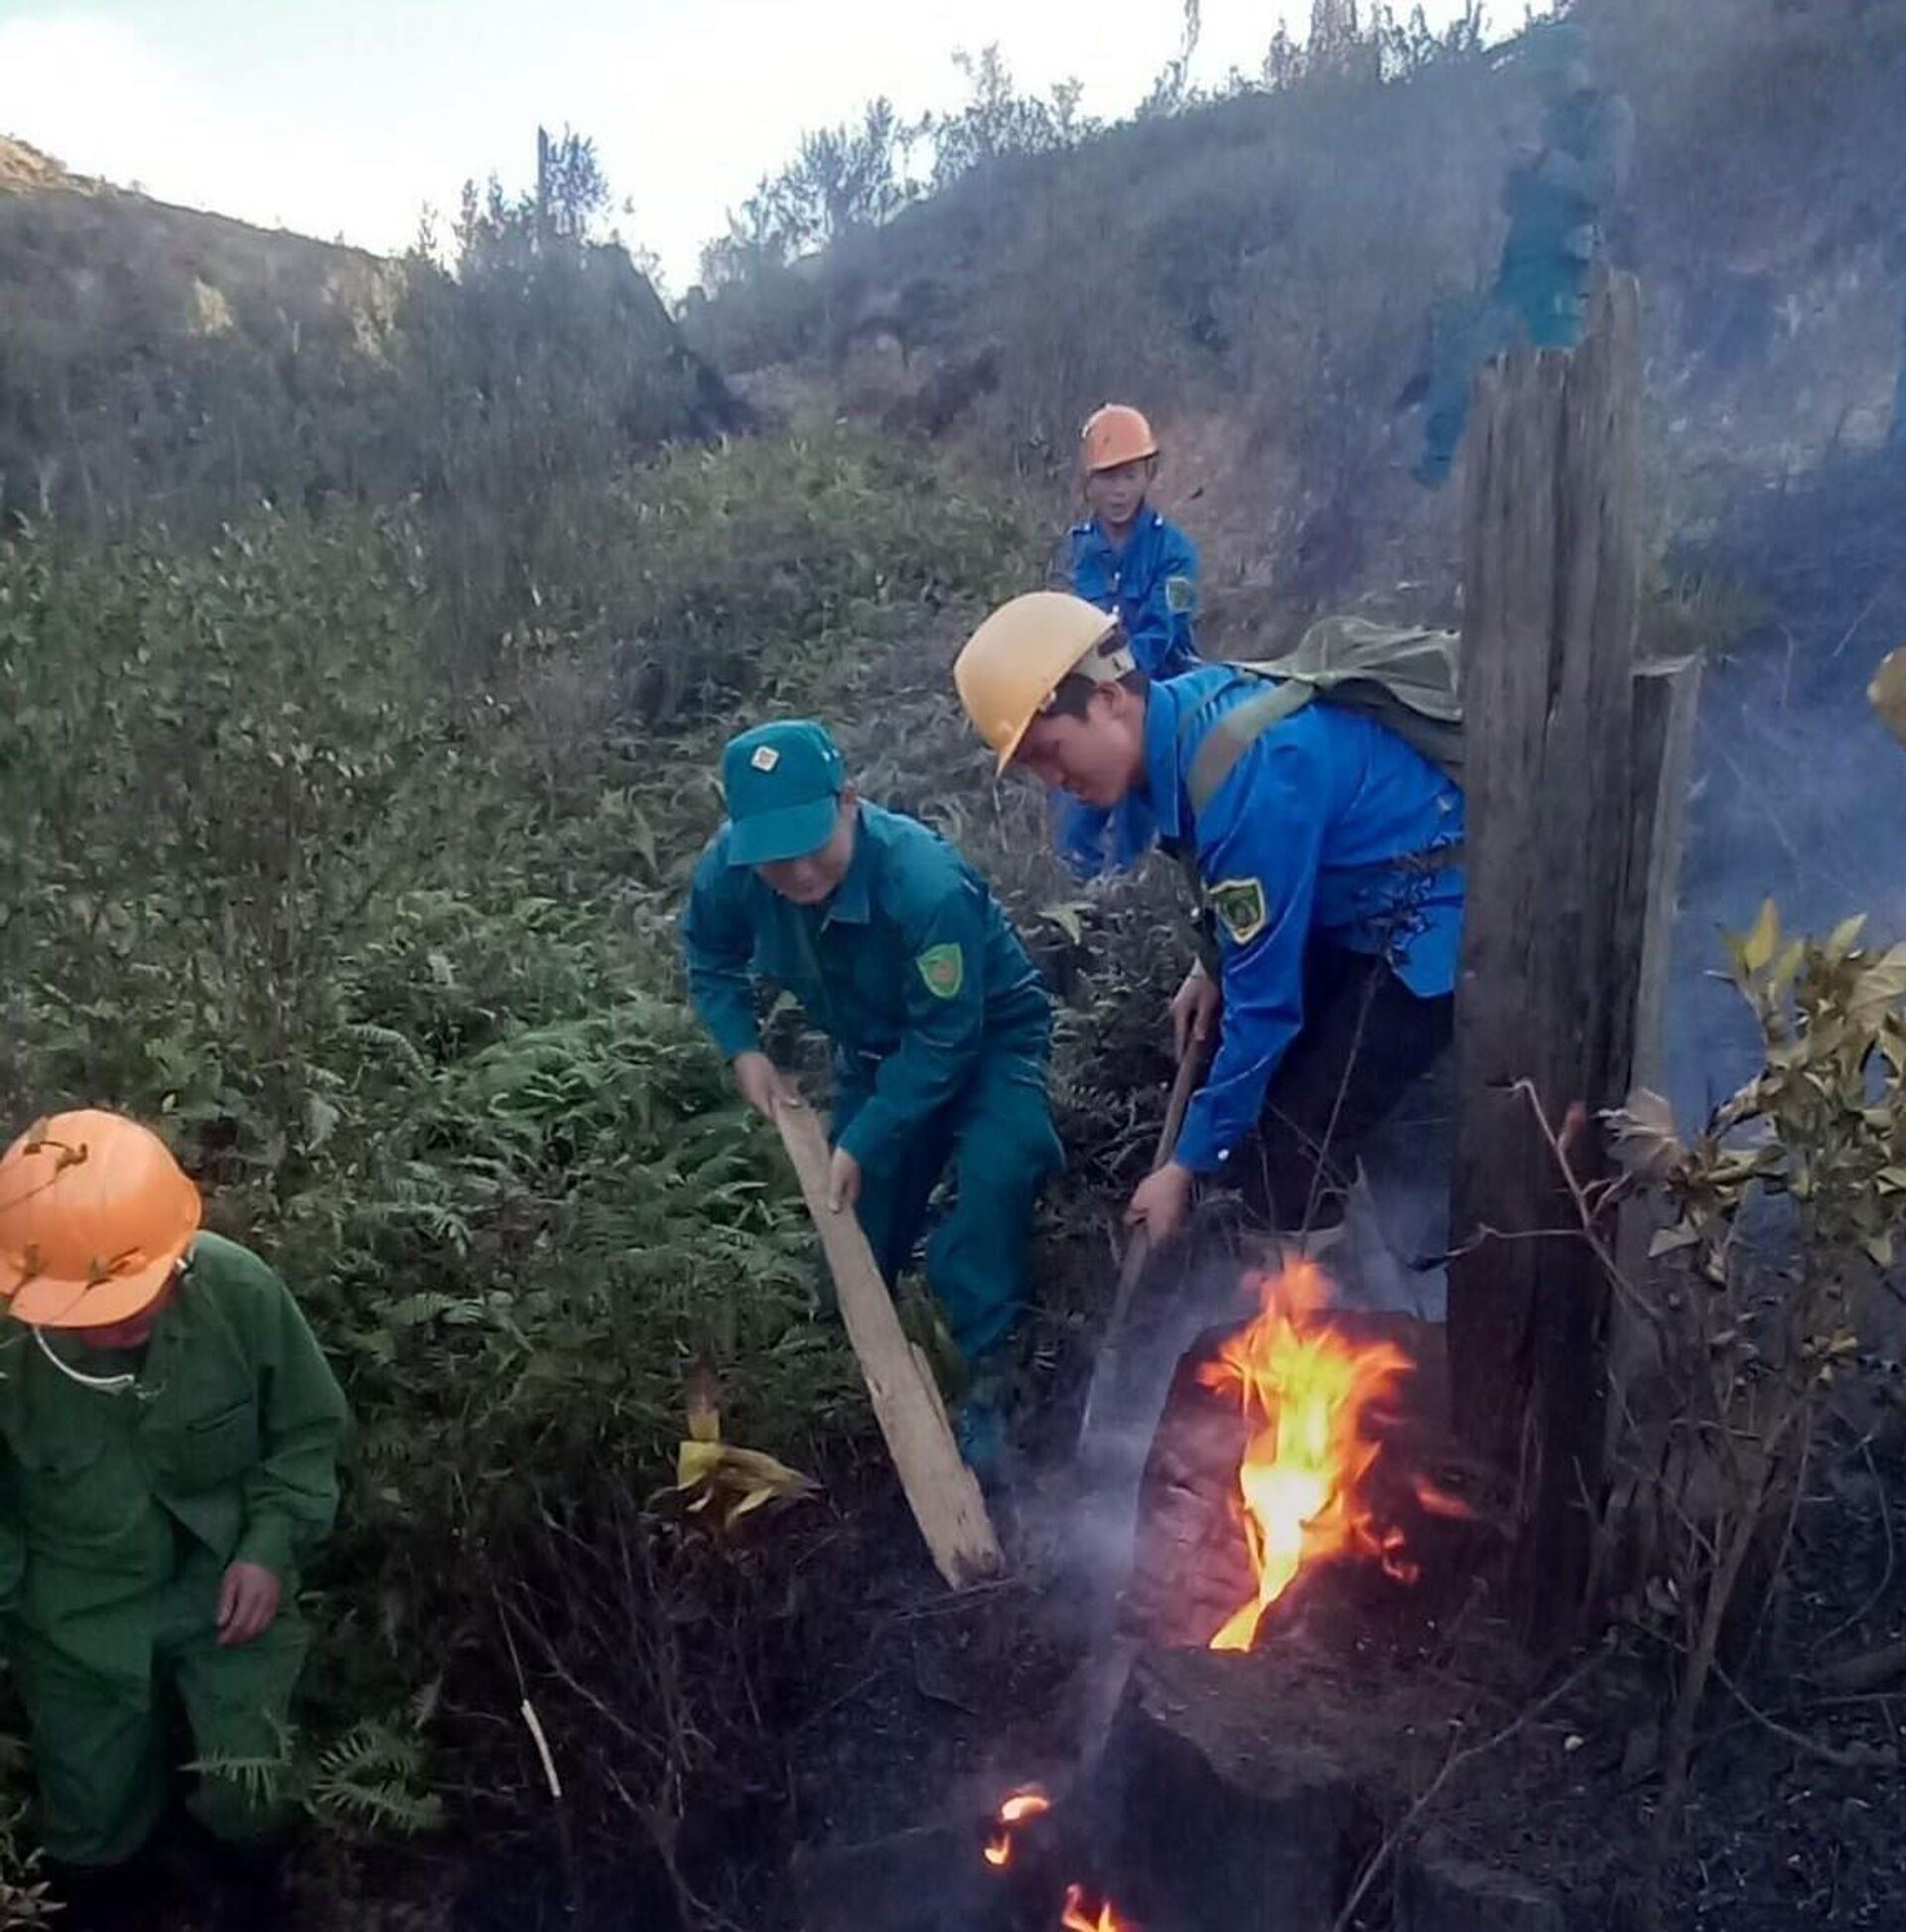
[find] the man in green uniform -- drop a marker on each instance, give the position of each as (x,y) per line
(1559,195)
(171,1433)
(897,951)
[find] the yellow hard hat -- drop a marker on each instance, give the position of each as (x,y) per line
(94,1215)
(1114,434)
(1009,670)
(1888,693)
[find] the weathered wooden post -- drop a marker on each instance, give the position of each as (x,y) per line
(1567,860)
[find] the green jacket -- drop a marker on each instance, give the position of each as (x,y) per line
(911,968)
(230,1434)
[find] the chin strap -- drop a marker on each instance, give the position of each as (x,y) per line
(106,1384)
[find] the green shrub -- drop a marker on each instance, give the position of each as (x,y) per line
(382,934)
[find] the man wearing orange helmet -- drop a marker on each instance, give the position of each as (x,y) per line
(1128,561)
(172,1433)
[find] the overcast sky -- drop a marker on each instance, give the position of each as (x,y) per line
(344,117)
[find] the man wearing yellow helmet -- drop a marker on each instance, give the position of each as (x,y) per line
(172,1434)
(1327,849)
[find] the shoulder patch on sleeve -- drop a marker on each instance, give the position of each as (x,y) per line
(1180,595)
(1239,905)
(943,968)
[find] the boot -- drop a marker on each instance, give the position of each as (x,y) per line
(980,1430)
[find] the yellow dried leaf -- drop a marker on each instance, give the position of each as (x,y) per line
(739,1481)
(1887,693)
(1845,935)
(696,1462)
(702,1401)
(1757,948)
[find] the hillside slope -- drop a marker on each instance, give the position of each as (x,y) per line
(1260,272)
(160,359)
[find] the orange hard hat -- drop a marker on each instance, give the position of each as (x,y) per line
(94,1215)
(1113,435)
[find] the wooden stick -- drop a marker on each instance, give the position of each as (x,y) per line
(941,1490)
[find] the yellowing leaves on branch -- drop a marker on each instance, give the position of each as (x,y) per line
(1824,1123)
(720,1479)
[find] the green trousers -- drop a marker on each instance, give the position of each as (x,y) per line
(95,1684)
(996,1138)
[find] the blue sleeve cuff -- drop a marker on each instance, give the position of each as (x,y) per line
(733,1034)
(1198,1147)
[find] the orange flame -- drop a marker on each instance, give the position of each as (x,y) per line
(1029,1801)
(1306,1394)
(1075,1918)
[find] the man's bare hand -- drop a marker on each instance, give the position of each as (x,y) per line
(761,1084)
(1196,1008)
(843,1180)
(1160,1200)
(248,1598)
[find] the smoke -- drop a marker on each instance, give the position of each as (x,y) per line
(1194,1286)
(1800,792)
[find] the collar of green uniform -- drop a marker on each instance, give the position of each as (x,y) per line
(853,898)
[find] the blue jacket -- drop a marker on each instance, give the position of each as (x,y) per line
(911,968)
(1152,584)
(1308,837)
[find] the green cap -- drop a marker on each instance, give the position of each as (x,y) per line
(782,784)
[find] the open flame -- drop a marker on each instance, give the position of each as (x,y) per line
(1307,1395)
(1029,1801)
(1075,1917)
(1016,1808)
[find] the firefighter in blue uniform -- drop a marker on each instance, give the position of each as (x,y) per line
(940,1024)
(1328,850)
(1128,560)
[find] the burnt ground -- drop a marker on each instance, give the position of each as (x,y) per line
(1798,1783)
(1798,1780)
(841,1697)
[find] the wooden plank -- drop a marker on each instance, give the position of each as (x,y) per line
(1667,700)
(1551,945)
(941,1490)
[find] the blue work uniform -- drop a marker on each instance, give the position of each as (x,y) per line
(1329,832)
(1151,584)
(941,1029)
